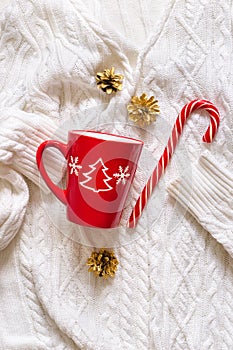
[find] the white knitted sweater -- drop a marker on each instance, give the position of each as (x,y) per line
(174,286)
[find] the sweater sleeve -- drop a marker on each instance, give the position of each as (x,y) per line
(207,193)
(20,135)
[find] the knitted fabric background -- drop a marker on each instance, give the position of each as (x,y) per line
(173,288)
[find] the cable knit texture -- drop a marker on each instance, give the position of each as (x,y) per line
(173,289)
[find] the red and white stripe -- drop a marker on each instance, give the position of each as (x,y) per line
(169,150)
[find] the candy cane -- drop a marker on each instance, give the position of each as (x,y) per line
(169,150)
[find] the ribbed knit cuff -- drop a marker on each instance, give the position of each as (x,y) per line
(20,135)
(207,193)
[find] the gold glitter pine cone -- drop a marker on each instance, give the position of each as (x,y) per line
(103,263)
(108,81)
(142,110)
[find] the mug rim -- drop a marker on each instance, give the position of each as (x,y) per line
(116,138)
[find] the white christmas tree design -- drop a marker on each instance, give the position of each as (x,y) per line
(91,183)
(122,175)
(74,166)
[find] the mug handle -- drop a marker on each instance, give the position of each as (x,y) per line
(59,192)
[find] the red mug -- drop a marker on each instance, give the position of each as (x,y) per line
(100,170)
